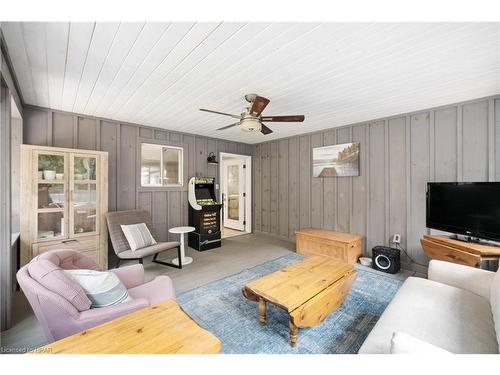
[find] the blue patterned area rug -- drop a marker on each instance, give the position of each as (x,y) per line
(221,308)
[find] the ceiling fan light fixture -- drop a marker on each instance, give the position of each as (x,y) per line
(251,125)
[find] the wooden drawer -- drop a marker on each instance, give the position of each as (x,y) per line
(87,245)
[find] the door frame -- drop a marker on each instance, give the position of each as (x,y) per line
(248,186)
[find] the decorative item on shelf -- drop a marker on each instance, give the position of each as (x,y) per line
(49,175)
(211,159)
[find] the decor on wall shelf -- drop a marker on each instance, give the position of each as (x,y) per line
(336,161)
(211,159)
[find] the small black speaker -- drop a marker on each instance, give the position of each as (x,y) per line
(386,259)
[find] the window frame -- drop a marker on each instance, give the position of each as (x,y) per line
(162,147)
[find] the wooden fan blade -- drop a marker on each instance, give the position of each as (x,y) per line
(293,118)
(265,130)
(229,126)
(220,113)
(258,106)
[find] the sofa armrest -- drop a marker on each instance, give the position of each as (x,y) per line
(131,276)
(402,343)
(474,280)
(105,314)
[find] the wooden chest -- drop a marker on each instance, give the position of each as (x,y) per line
(344,247)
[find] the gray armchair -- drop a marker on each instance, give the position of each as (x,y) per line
(120,243)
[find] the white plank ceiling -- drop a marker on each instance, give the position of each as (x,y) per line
(160,74)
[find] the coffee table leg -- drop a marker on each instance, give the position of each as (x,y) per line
(293,333)
(262,311)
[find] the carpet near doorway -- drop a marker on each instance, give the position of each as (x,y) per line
(221,308)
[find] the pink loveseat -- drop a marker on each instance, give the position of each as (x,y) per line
(61,306)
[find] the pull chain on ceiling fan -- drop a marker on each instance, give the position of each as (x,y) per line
(251,119)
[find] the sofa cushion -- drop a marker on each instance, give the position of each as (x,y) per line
(155,291)
(495,304)
(403,343)
(54,279)
(450,318)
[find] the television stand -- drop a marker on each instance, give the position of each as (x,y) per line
(458,250)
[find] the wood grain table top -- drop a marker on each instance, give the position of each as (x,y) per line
(294,285)
(159,329)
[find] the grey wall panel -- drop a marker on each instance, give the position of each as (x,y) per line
(62,130)
(109,143)
(146,132)
(87,133)
(293,186)
(305,181)
(126,168)
(174,212)
(273,188)
(359,184)
(475,141)
(144,201)
(316,189)
(419,172)
(283,188)
(35,127)
(329,187)
(160,214)
(398,156)
(201,156)
(376,203)
(397,177)
(343,189)
(257,190)
(266,187)
(445,144)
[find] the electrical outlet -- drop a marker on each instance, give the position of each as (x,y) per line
(396,238)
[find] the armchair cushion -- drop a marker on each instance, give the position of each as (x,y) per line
(105,314)
(474,280)
(54,279)
(102,288)
(150,250)
(402,343)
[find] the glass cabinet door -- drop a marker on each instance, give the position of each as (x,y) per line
(84,194)
(51,194)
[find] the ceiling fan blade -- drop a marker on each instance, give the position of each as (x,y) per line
(265,130)
(294,118)
(220,113)
(229,126)
(258,105)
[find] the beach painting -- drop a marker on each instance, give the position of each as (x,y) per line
(336,160)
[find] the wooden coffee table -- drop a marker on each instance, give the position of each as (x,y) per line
(159,329)
(308,290)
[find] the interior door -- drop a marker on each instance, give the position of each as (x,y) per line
(234,194)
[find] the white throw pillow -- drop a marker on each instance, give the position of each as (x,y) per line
(402,343)
(495,304)
(138,236)
(102,288)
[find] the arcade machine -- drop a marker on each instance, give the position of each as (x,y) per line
(204,214)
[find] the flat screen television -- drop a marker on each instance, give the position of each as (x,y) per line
(466,208)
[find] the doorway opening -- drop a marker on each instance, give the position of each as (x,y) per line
(236,194)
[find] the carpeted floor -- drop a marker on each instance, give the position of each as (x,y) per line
(220,307)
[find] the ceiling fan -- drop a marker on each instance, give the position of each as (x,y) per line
(251,118)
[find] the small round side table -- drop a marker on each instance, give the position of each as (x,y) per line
(181,231)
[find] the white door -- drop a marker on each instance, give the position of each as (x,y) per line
(234,194)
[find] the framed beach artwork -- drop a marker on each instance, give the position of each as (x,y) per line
(336,160)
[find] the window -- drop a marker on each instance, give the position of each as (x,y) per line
(161,165)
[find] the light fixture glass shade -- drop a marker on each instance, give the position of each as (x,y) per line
(251,125)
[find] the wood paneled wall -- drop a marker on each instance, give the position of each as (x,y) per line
(168,206)
(398,156)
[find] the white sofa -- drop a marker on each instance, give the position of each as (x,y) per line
(456,309)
